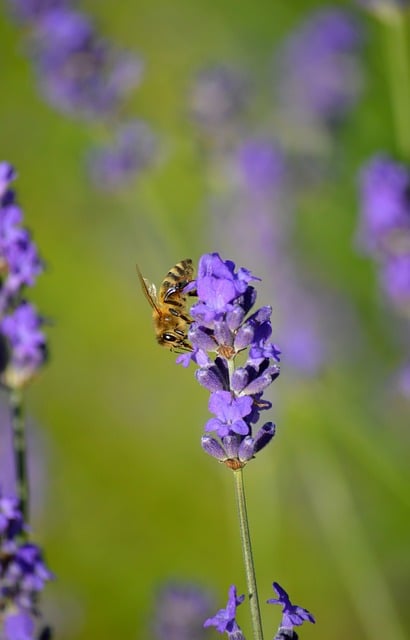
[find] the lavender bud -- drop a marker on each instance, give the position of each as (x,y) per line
(209,379)
(201,339)
(234,318)
(231,444)
(264,435)
(239,379)
(247,449)
(222,333)
(214,448)
(244,337)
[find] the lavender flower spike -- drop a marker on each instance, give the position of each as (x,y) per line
(292,615)
(26,345)
(225,326)
(23,575)
(20,263)
(225,620)
(385,206)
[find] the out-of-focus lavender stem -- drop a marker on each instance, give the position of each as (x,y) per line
(396,31)
(19,448)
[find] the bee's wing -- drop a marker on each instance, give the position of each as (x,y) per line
(149,289)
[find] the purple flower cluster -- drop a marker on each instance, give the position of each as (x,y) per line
(23,574)
(384,231)
(292,615)
(384,228)
(21,338)
(11,524)
(79,72)
(83,75)
(385,207)
(224,327)
(20,263)
(317,69)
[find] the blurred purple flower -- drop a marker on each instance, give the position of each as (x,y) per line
(7,176)
(292,615)
(317,70)
(395,280)
(260,165)
(79,72)
(26,344)
(20,263)
(132,151)
(225,620)
(11,523)
(180,611)
(23,263)
(18,625)
(23,575)
(385,205)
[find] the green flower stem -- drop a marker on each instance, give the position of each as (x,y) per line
(19,448)
(395,27)
(247,555)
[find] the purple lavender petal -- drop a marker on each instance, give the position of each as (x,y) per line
(293,615)
(225,619)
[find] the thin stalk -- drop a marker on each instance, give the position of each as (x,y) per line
(19,448)
(247,555)
(396,44)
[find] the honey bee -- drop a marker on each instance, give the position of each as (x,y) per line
(169,312)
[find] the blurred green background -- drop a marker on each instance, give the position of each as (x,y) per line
(130,498)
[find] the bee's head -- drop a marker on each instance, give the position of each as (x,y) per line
(173,342)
